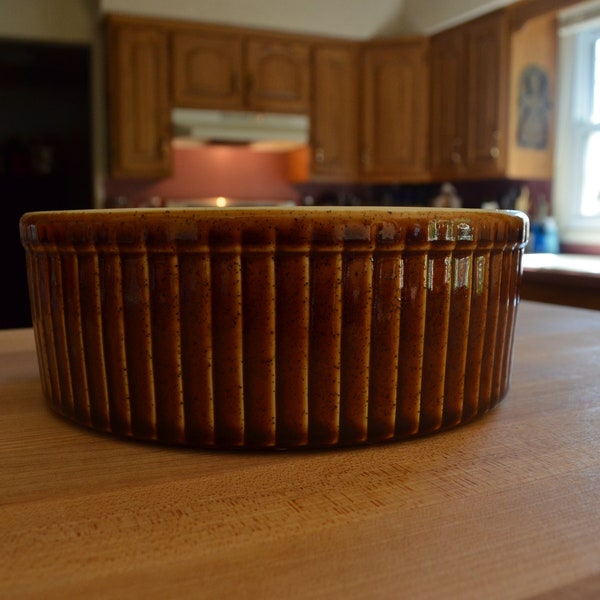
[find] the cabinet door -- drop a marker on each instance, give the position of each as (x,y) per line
(139,109)
(396,112)
(278,75)
(334,115)
(448,104)
(207,71)
(488,95)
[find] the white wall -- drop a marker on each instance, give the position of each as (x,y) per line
(76,20)
(48,20)
(359,19)
(429,16)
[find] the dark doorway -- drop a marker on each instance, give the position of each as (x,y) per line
(45,149)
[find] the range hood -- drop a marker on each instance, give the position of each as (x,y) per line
(262,131)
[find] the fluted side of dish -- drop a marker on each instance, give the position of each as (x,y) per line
(274,327)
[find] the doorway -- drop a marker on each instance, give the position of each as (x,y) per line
(45,149)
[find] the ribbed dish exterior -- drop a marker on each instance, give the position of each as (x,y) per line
(265,328)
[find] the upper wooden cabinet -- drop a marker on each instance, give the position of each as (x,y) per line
(395,111)
(138,94)
(335,112)
(468,116)
(218,70)
(448,103)
(278,75)
(207,70)
(472,102)
(487,54)
(478,77)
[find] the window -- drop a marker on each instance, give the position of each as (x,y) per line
(577,185)
(590,197)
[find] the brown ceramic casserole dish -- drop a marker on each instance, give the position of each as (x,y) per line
(263,328)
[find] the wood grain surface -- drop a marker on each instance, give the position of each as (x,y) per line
(506,507)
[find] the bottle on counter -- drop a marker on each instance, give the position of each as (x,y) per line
(544,236)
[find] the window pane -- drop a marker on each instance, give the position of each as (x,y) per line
(596,92)
(590,200)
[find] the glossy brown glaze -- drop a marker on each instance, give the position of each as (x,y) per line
(264,328)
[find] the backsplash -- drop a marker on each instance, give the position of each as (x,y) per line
(239,173)
(207,172)
(473,194)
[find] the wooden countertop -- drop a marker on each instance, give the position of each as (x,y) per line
(506,507)
(568,279)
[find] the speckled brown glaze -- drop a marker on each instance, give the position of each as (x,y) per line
(267,327)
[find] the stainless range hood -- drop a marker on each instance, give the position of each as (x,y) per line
(262,131)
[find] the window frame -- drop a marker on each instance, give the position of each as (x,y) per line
(575,94)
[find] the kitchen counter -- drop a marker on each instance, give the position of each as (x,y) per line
(505,507)
(568,279)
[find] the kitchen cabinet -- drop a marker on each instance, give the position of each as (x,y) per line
(468,99)
(487,80)
(395,110)
(335,112)
(139,107)
(477,72)
(278,73)
(215,69)
(448,103)
(406,110)
(207,70)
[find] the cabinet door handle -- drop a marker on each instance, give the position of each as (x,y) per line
(366,158)
(494,149)
(319,154)
(163,146)
(456,158)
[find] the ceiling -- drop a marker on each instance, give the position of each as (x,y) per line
(357,19)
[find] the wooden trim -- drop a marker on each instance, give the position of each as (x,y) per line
(519,13)
(171,25)
(394,41)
